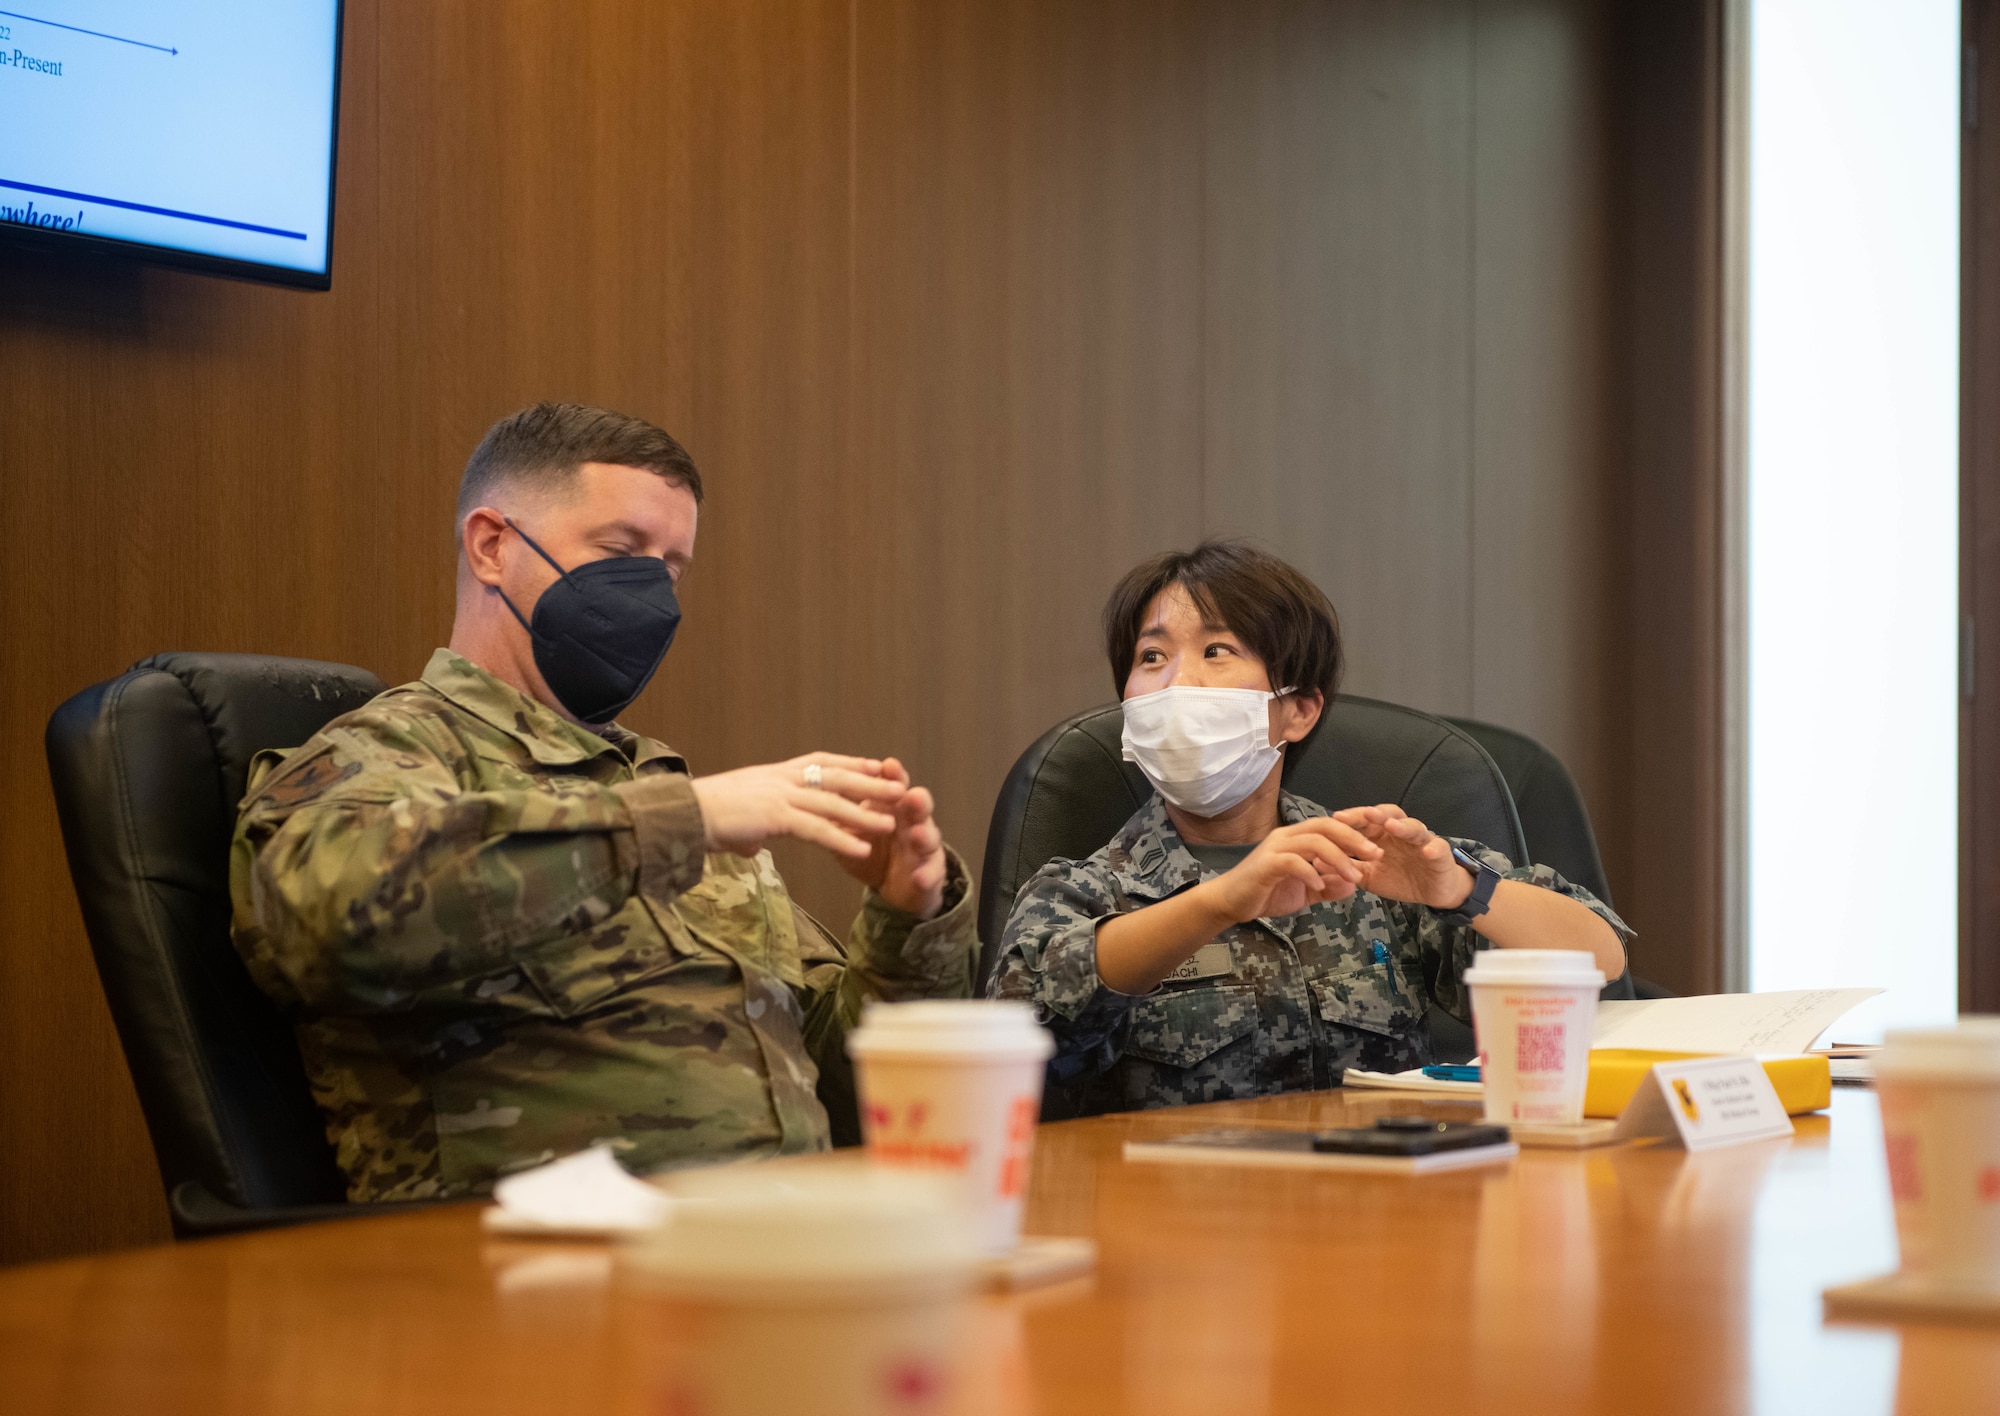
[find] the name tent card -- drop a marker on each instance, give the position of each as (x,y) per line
(1706,1102)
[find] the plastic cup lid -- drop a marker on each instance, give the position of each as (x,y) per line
(1970,1048)
(1530,966)
(961,1026)
(743,1236)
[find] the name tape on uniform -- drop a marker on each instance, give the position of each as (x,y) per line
(1209,961)
(1705,1103)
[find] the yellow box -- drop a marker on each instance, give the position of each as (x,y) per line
(1804,1083)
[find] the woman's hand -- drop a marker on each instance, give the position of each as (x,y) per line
(1295,866)
(1414,864)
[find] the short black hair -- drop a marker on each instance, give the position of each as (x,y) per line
(1274,608)
(541,448)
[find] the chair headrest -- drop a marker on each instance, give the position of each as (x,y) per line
(253,701)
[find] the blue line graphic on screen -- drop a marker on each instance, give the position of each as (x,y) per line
(157,211)
(78,29)
(202,130)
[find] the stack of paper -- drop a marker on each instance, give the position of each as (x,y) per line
(1723,1024)
(1411,1081)
(1726,1023)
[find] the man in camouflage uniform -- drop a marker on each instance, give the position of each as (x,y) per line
(505,934)
(1234,939)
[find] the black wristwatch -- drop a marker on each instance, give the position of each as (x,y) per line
(1484,880)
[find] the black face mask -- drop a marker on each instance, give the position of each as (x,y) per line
(600,631)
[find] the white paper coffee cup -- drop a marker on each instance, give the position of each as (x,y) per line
(1533,1011)
(1940,1093)
(844,1292)
(955,1086)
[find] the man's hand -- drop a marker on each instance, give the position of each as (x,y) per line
(906,867)
(1415,864)
(1295,866)
(849,812)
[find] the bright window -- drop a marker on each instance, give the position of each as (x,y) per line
(1852,536)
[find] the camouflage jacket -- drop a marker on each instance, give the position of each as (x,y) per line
(1271,1005)
(500,941)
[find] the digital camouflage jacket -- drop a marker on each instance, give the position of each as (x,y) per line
(1272,1005)
(500,941)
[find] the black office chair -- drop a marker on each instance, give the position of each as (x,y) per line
(1070,792)
(148,769)
(1556,822)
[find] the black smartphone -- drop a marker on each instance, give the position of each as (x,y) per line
(1410,1135)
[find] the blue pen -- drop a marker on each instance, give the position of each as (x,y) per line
(1453,1074)
(1381,953)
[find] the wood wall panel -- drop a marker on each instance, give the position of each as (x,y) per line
(1410,362)
(1027,357)
(961,307)
(1339,320)
(1545,595)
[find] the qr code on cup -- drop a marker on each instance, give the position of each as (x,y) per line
(1539,1047)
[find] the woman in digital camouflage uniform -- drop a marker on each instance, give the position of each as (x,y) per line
(1234,939)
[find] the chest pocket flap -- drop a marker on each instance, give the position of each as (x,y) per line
(1372,998)
(1183,1026)
(741,909)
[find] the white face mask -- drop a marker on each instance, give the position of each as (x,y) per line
(1203,749)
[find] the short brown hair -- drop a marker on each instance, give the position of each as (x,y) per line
(541,448)
(1279,614)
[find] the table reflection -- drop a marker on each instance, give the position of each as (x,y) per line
(1822,1217)
(1943,1369)
(1535,1274)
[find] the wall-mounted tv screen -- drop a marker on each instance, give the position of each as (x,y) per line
(190,132)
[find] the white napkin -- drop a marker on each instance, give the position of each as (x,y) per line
(588,1193)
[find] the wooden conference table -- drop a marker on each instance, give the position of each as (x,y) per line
(1626,1280)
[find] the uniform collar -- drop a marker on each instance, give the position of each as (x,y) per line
(549,739)
(1149,859)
